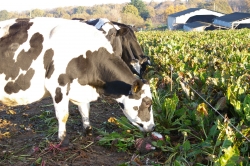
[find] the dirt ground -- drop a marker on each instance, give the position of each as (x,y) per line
(28,134)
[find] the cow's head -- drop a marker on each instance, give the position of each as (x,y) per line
(137,106)
(132,52)
(138,67)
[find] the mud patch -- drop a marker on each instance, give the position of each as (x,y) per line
(28,136)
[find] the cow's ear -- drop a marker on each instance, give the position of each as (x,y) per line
(134,61)
(142,60)
(136,87)
(122,31)
(147,59)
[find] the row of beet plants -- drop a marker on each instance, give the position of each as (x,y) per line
(201,93)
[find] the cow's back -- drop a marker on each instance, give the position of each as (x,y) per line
(36,50)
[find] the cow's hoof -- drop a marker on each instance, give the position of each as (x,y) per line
(65,142)
(88,131)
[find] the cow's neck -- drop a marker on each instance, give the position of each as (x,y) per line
(112,75)
(136,49)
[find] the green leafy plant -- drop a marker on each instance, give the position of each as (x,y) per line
(49,122)
(121,140)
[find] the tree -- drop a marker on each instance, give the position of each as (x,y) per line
(130,15)
(66,16)
(244,6)
(142,9)
(49,15)
(130,9)
(194,3)
(223,6)
(173,9)
(151,11)
(217,5)
(59,12)
(240,5)
(131,19)
(145,14)
(115,13)
(247,2)
(178,2)
(4,15)
(97,11)
(37,13)
(179,8)
(79,10)
(148,23)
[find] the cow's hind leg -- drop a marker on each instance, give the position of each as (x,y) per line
(84,111)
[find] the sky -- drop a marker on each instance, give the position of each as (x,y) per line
(21,5)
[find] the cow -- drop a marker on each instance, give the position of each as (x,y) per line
(126,45)
(131,40)
(69,61)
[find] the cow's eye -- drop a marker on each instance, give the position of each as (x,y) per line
(141,125)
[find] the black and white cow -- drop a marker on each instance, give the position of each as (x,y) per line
(69,61)
(128,48)
(131,40)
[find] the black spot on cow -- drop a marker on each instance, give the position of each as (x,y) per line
(135,108)
(115,89)
(77,68)
(59,95)
(144,109)
(48,63)
(24,59)
(121,105)
(22,83)
(101,70)
(17,35)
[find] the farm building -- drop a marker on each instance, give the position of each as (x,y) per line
(177,20)
(233,21)
(198,26)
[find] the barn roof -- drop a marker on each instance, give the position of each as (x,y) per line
(197,24)
(190,10)
(236,16)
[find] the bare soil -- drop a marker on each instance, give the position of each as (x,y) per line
(28,136)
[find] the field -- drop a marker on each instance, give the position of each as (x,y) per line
(201,101)
(200,82)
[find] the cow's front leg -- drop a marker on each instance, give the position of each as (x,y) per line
(84,111)
(62,114)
